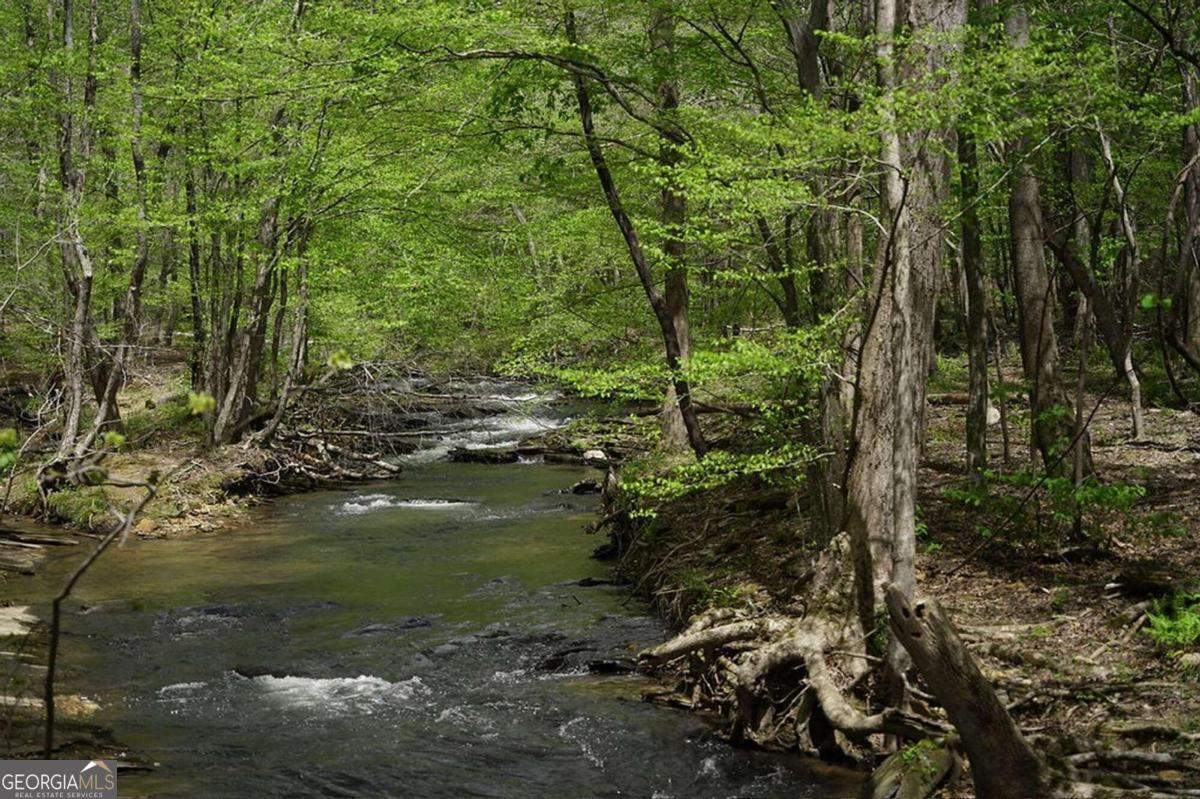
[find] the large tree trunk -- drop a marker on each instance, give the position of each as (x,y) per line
(898,260)
(1191,188)
(1035,305)
(673,216)
(1049,406)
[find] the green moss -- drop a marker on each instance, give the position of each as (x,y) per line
(80,506)
(174,418)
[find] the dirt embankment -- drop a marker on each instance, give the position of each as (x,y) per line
(1060,628)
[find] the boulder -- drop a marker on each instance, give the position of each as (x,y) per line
(595,457)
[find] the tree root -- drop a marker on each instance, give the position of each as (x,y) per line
(804,684)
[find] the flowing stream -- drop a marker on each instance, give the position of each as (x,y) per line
(427,637)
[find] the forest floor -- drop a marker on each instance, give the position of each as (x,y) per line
(1059,630)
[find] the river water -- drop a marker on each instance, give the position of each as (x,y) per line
(426,637)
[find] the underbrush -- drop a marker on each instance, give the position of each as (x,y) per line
(173,420)
(1032,510)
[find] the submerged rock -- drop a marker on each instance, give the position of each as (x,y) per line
(592,582)
(407,623)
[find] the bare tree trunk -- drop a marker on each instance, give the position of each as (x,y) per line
(77,263)
(196,359)
(234,411)
(1079,465)
(898,261)
(1128,283)
(299,344)
(277,332)
(673,215)
(976,300)
(869,497)
(1191,149)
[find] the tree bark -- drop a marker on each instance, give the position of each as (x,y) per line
(196,358)
(898,261)
(1002,763)
(1191,188)
(73,151)
(673,214)
(1048,404)
(976,301)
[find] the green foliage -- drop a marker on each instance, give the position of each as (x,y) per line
(340,361)
(1002,505)
(171,419)
(201,402)
(701,594)
(782,465)
(1175,623)
(8,448)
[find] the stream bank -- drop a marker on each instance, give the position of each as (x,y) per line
(1059,632)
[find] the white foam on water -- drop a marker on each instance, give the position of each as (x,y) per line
(180,688)
(567,731)
(435,503)
(501,431)
(492,444)
(425,454)
(373,502)
(465,718)
(509,677)
(361,694)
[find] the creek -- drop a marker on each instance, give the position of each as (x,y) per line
(424,637)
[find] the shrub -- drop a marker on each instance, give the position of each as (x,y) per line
(1050,515)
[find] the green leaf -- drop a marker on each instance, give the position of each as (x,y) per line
(201,402)
(8,438)
(1149,301)
(340,360)
(114,439)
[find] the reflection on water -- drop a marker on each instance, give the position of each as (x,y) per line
(423,638)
